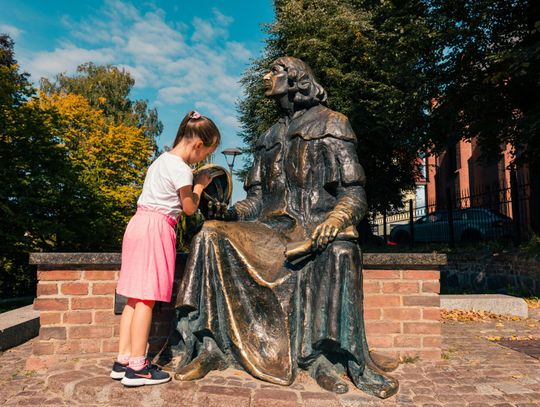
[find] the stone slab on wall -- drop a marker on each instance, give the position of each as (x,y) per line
(76,295)
(486,273)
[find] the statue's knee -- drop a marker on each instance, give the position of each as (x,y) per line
(343,248)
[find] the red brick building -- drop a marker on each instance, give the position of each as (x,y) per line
(461,174)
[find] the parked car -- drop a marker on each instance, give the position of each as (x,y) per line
(470,225)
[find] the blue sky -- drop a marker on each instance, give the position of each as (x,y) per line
(183,55)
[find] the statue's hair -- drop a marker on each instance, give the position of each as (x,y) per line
(307,91)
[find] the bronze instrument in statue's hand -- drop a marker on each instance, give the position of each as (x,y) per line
(326,233)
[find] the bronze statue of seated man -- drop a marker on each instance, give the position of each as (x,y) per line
(277,285)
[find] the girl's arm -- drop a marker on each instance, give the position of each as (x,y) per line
(191,196)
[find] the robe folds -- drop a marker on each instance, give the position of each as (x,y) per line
(266,315)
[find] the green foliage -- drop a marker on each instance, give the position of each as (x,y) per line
(531,247)
(70,174)
(107,88)
(375,60)
(488,74)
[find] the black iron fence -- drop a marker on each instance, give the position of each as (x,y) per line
(490,213)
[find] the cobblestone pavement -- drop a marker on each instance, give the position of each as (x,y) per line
(474,371)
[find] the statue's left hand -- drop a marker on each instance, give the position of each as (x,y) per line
(219,211)
(325,233)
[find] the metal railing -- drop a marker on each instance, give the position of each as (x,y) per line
(490,213)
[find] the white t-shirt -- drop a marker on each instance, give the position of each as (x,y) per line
(165,176)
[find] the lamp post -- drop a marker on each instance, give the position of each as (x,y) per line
(232,153)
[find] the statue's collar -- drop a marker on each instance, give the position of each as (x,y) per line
(287,120)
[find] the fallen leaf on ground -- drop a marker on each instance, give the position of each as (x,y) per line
(533,302)
(474,315)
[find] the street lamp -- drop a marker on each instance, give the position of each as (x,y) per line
(231,152)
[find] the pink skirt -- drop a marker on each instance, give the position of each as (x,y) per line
(148,257)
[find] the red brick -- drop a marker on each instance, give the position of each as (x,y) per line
(47,289)
(373,327)
(42,348)
(381,274)
(103,288)
(432,314)
(59,275)
(110,345)
(74,288)
(274,398)
(55,332)
(40,363)
(77,317)
(431,287)
(92,303)
(316,399)
(422,300)
(78,346)
(430,354)
(372,313)
(106,317)
(220,396)
(372,287)
(400,287)
(49,318)
(46,304)
(381,301)
(380,341)
(404,341)
(421,275)
(401,314)
(431,342)
(86,332)
(421,328)
(116,330)
(100,275)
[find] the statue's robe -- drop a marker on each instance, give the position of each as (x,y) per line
(266,315)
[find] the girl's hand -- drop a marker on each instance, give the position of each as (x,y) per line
(203,179)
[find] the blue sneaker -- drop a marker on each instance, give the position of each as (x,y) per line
(118,370)
(149,374)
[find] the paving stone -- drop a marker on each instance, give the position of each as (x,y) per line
(478,373)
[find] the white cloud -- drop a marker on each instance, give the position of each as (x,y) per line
(66,59)
(10,30)
(184,64)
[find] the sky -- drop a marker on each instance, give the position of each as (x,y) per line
(183,55)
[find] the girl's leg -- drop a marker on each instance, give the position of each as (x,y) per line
(139,330)
(124,347)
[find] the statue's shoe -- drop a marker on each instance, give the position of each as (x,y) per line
(201,366)
(372,380)
(327,377)
(383,362)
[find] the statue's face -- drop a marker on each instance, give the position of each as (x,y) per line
(276,82)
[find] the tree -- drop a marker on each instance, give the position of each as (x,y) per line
(70,174)
(111,159)
(37,178)
(488,74)
(375,60)
(107,88)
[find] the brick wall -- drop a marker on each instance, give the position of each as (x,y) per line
(401,312)
(76,304)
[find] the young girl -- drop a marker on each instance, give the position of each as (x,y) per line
(149,245)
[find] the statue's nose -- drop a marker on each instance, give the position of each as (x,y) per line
(267,76)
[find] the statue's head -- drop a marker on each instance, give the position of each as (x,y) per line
(293,76)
